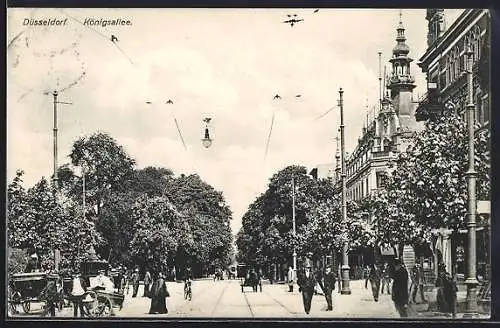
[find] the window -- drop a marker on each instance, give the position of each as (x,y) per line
(380,179)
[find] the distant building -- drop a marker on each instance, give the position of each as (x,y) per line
(444,62)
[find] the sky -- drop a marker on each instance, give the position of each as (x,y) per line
(226,64)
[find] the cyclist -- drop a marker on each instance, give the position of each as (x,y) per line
(188,278)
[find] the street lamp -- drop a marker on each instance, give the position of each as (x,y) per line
(471,281)
(206,141)
(346,290)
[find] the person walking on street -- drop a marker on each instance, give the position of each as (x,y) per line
(374,277)
(77,293)
(327,284)
(386,279)
(49,294)
(447,292)
(339,282)
(147,283)
(291,279)
(135,282)
(417,283)
(400,288)
(306,283)
(159,293)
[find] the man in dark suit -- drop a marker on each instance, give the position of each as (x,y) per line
(400,293)
(327,284)
(307,282)
(374,276)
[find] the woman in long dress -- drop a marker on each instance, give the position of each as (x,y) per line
(158,294)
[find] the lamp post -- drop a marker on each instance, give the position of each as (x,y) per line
(346,290)
(294,231)
(206,141)
(471,281)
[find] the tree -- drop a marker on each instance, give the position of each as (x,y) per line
(158,232)
(430,182)
(46,224)
(107,167)
(208,217)
(267,235)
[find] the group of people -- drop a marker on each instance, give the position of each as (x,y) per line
(307,281)
(403,286)
(403,295)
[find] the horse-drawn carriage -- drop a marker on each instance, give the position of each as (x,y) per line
(97,300)
(28,288)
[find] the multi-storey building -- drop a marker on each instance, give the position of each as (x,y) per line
(387,134)
(444,63)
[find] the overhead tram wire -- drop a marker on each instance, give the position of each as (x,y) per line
(96,31)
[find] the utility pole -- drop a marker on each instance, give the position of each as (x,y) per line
(83,193)
(471,281)
(294,231)
(346,290)
(54,94)
(380,95)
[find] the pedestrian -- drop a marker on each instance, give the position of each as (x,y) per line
(122,280)
(159,293)
(339,270)
(374,277)
(417,283)
(447,292)
(291,276)
(147,283)
(77,293)
(386,279)
(307,282)
(327,284)
(49,294)
(135,282)
(129,279)
(400,288)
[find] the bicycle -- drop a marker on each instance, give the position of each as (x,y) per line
(187,290)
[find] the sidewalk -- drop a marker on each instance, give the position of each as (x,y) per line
(359,304)
(430,309)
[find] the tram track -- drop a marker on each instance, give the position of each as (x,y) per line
(281,304)
(219,299)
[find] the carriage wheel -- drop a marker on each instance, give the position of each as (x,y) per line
(26,306)
(13,308)
(104,307)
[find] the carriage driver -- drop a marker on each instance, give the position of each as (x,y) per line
(104,281)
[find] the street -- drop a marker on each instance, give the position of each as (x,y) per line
(218,299)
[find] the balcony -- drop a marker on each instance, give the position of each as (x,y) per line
(380,154)
(428,106)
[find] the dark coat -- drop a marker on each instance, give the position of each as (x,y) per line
(447,293)
(400,286)
(158,294)
(327,282)
(306,283)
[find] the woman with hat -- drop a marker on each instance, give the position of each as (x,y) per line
(158,295)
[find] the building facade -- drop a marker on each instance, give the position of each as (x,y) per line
(384,136)
(444,63)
